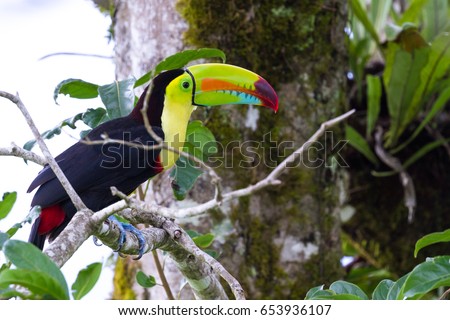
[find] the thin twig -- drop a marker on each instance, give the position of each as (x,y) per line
(162,276)
(90,55)
(76,200)
(270,180)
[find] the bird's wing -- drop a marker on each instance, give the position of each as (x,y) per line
(98,167)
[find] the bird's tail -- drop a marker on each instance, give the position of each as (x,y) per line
(35,238)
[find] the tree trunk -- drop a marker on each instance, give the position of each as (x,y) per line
(285,240)
(280,242)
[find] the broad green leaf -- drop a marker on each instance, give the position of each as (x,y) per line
(200,142)
(437,67)
(361,14)
(86,280)
(76,88)
(118,98)
(49,134)
(382,290)
(192,233)
(427,276)
(320,294)
(38,282)
(374,91)
(184,175)
(25,255)
(145,281)
(340,296)
(311,292)
(179,60)
(435,18)
(400,90)
(9,198)
(413,12)
(379,11)
(94,117)
(3,238)
(212,253)
(394,292)
(358,142)
(9,293)
(432,238)
(204,240)
(344,287)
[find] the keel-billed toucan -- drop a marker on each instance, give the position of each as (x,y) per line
(92,168)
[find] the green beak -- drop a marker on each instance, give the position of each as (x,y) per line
(218,84)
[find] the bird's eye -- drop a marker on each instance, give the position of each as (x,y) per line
(186,84)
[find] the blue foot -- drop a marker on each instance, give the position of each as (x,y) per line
(123,228)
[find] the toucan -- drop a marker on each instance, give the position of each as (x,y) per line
(93,168)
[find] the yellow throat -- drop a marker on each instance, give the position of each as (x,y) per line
(175,117)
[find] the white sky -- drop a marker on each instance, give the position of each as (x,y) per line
(29,30)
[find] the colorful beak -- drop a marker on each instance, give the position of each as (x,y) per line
(218,84)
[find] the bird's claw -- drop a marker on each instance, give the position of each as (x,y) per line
(123,228)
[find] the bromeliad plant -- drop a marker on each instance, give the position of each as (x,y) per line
(414,86)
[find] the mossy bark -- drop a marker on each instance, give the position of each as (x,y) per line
(284,240)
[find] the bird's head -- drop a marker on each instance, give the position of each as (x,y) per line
(176,93)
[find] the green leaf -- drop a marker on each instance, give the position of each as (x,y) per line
(94,117)
(413,12)
(344,287)
(395,290)
(86,280)
(362,16)
(200,142)
(379,12)
(9,198)
(212,253)
(118,98)
(312,292)
(374,91)
(401,87)
(145,281)
(358,142)
(25,255)
(423,151)
(3,238)
(31,216)
(432,238)
(179,60)
(204,241)
(427,276)
(49,134)
(184,175)
(382,290)
(435,18)
(192,233)
(76,88)
(38,282)
(437,106)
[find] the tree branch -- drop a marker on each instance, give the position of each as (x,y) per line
(16,151)
(199,268)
